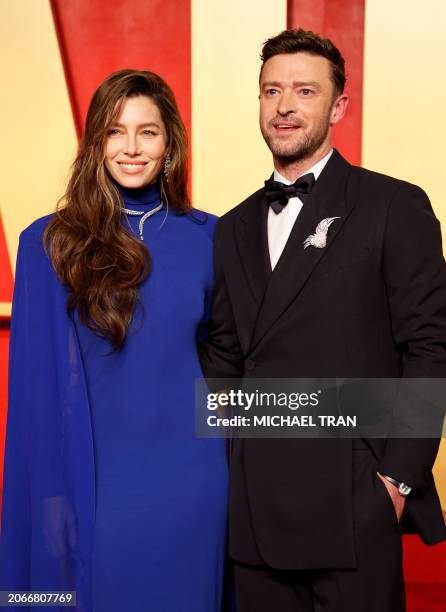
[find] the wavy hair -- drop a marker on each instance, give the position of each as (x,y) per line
(93,254)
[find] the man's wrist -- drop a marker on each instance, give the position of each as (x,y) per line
(403,488)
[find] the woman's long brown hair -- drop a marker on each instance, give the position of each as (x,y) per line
(100,262)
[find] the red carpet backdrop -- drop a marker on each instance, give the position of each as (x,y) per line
(56,53)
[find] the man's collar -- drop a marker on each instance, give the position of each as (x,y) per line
(316,170)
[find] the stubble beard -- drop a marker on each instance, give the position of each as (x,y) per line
(306,148)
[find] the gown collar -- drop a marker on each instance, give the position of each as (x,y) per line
(141,198)
(139,205)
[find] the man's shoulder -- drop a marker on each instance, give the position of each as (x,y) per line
(376,183)
(241,209)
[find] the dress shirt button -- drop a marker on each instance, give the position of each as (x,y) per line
(250,364)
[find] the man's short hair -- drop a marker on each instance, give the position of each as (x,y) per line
(293,41)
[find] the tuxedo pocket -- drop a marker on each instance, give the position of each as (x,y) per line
(384,494)
(330,264)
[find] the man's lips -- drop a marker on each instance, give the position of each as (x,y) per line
(283,127)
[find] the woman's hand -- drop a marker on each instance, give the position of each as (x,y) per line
(59,525)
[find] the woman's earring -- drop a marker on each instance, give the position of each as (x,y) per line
(167,162)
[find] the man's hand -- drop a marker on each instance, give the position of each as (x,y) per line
(397,499)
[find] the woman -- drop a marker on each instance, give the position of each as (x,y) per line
(107,492)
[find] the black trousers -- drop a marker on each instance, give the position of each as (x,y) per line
(376,585)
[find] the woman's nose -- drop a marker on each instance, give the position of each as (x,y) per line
(131,146)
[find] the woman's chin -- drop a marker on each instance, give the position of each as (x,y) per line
(134,181)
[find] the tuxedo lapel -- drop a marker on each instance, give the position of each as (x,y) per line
(328,199)
(252,244)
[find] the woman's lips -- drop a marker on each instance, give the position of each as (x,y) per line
(132,168)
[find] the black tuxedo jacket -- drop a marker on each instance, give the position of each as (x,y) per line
(372,303)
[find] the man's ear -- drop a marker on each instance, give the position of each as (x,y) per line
(338,109)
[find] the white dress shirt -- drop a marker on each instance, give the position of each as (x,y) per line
(280,226)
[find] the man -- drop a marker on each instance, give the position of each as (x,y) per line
(316,524)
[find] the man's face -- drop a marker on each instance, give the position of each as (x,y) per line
(297,105)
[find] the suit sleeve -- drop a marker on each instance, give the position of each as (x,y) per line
(415,276)
(220,352)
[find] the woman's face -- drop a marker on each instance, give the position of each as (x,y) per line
(136,143)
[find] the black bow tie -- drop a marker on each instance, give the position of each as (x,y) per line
(278,194)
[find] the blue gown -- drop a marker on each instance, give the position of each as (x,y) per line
(107,491)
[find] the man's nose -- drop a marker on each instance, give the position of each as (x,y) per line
(287,103)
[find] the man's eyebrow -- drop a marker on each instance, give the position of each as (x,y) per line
(305,83)
(295,84)
(271,84)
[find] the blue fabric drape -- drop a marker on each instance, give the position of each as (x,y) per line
(102,443)
(48,485)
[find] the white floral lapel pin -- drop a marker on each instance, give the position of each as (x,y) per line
(319,238)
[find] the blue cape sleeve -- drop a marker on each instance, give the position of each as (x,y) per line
(48,483)
(208,223)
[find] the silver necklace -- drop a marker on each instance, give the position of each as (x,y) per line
(144,216)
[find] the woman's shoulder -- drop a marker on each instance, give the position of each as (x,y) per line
(33,260)
(33,234)
(201,221)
